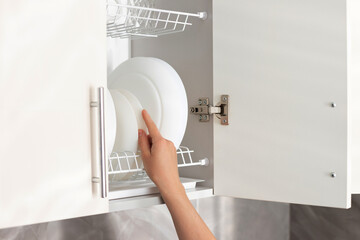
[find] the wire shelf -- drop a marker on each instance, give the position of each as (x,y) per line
(124,21)
(130,162)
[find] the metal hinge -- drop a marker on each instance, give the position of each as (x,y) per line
(204,109)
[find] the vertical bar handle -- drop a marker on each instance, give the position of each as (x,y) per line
(101,106)
(104,178)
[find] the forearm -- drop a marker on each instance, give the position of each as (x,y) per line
(187,221)
(160,161)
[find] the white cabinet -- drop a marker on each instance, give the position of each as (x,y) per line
(50,59)
(289,67)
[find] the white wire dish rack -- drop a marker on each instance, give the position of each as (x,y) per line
(130,162)
(124,21)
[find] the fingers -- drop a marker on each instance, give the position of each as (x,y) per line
(153,130)
(144,144)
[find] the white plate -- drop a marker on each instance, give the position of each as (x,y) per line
(141,87)
(114,11)
(137,107)
(110,122)
(174,108)
(126,124)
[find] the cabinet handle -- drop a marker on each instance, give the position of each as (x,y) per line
(100,104)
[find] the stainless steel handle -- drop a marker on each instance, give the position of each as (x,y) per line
(104,178)
(101,106)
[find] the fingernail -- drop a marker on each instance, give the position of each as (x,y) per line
(140,132)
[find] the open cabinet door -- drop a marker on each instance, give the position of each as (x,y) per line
(284,66)
(52,53)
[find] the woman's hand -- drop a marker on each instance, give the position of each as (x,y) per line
(159,157)
(160,161)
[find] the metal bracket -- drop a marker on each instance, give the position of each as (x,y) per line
(204,110)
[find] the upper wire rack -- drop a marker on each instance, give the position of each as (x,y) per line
(130,162)
(124,21)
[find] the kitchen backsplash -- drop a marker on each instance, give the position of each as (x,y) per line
(227,218)
(321,223)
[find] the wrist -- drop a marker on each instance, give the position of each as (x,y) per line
(175,189)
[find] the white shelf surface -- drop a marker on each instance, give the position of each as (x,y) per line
(154,199)
(126,189)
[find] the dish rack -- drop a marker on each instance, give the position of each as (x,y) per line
(130,162)
(125,21)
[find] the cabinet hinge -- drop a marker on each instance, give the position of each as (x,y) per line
(205,110)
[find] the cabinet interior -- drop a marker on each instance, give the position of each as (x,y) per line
(190,54)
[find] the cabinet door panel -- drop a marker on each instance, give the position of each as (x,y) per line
(283,63)
(52,53)
(353,21)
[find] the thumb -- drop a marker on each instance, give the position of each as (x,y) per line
(144,145)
